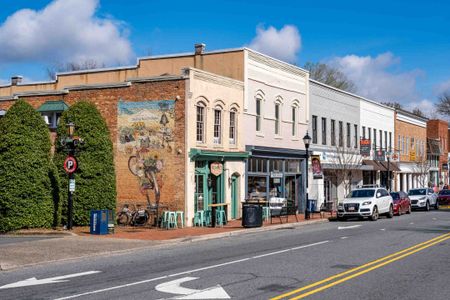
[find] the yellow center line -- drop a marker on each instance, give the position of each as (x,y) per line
(359,268)
(367,270)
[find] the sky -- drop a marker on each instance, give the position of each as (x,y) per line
(394,51)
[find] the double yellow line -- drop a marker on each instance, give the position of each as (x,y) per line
(358,271)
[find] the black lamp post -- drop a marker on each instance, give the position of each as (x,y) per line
(307,141)
(388,184)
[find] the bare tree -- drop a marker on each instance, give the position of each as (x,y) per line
(416,111)
(88,64)
(443,106)
(422,168)
(395,105)
(329,75)
(344,162)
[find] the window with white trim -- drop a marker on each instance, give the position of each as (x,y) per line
(217,126)
(294,120)
(258,114)
(232,132)
(277,118)
(200,123)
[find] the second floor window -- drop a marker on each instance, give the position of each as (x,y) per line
(314,129)
(363,132)
(277,118)
(385,141)
(390,141)
(381,139)
(200,124)
(341,134)
(333,133)
(355,136)
(348,139)
(217,126)
(258,114)
(232,134)
(374,139)
(294,121)
(324,131)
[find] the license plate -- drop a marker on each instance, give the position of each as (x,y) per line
(351,208)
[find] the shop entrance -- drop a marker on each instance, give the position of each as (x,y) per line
(209,189)
(234,196)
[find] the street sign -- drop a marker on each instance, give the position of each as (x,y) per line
(70,164)
(365,147)
(71,185)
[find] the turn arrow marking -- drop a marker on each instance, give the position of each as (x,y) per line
(34,281)
(174,287)
(348,227)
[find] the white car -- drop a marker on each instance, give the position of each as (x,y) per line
(423,198)
(366,202)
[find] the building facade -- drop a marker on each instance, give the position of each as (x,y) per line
(334,128)
(437,142)
(410,151)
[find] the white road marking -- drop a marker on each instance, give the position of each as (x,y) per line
(174,287)
(188,272)
(383,229)
(34,281)
(348,227)
(434,219)
(344,237)
(412,223)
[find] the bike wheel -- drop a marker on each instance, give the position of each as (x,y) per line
(133,165)
(122,219)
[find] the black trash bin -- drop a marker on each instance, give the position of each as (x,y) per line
(251,215)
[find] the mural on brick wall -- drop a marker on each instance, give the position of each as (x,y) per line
(146,137)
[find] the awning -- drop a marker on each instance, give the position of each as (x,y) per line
(53,106)
(392,166)
(197,154)
(376,166)
(331,166)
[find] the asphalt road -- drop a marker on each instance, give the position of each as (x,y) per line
(406,257)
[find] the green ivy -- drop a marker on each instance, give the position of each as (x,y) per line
(25,185)
(95,177)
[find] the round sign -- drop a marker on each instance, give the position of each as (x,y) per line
(216,168)
(70,164)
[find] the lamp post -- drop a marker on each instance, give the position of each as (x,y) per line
(307,141)
(388,184)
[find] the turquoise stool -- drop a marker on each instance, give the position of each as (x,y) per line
(180,214)
(265,213)
(208,217)
(199,218)
(171,220)
(165,219)
(221,218)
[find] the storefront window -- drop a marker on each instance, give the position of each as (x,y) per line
(257,187)
(276,165)
(292,166)
(275,187)
(257,165)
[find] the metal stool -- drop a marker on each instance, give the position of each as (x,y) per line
(199,218)
(221,218)
(265,213)
(180,213)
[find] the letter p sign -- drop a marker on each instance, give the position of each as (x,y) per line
(70,165)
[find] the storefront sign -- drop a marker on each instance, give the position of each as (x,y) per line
(365,146)
(412,155)
(380,155)
(216,168)
(276,175)
(316,167)
(395,157)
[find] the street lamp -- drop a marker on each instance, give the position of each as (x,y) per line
(307,141)
(388,184)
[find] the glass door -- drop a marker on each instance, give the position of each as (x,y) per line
(234,197)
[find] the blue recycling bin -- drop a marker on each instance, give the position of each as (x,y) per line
(312,203)
(99,221)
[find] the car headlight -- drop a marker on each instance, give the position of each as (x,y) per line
(367,203)
(422,198)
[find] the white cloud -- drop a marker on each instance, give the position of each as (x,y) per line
(425,105)
(65,30)
(283,44)
(375,80)
(442,87)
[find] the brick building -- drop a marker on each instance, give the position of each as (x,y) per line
(410,151)
(437,149)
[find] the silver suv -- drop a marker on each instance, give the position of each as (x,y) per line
(423,198)
(366,202)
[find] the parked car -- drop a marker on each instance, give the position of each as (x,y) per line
(423,198)
(366,202)
(402,203)
(444,197)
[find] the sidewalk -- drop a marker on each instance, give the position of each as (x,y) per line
(79,243)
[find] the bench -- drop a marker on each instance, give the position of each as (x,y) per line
(280,207)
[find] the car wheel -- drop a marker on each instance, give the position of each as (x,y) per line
(427,207)
(374,215)
(390,214)
(409,209)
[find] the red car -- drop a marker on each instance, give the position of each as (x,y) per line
(402,203)
(444,197)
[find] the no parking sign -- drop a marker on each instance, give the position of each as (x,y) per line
(70,164)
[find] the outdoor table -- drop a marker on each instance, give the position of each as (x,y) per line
(213,211)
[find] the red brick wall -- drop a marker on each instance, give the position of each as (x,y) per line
(438,129)
(171,178)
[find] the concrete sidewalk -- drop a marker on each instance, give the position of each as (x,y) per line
(79,243)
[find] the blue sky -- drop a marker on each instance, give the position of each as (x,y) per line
(393,50)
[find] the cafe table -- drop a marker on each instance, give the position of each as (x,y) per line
(214,207)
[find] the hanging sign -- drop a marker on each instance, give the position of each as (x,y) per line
(379,155)
(316,167)
(364,146)
(275,174)
(216,168)
(70,164)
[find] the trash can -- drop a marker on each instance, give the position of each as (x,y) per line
(99,222)
(312,205)
(251,215)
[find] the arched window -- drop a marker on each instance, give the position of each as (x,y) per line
(277,118)
(200,122)
(217,125)
(233,126)
(258,114)
(294,120)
